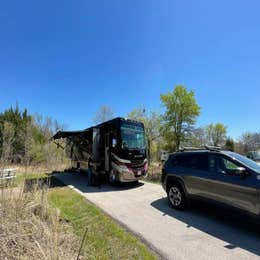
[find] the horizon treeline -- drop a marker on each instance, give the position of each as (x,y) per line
(25,138)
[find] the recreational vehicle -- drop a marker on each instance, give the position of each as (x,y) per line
(116,149)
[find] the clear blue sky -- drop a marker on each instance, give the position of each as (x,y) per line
(66,58)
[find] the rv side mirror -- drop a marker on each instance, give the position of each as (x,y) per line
(114,142)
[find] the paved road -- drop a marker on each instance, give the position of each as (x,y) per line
(201,232)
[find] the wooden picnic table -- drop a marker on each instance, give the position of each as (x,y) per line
(7,174)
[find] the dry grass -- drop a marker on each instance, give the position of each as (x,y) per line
(30,229)
(35,169)
(40,222)
(154,172)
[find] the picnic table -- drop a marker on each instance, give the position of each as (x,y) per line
(7,174)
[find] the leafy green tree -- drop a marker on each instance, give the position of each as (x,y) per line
(216,134)
(151,121)
(19,122)
(179,117)
(8,140)
(25,139)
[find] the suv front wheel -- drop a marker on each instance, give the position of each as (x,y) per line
(176,196)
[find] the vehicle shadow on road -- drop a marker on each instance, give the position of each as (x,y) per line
(81,183)
(237,230)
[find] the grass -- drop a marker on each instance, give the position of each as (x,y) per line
(154,173)
(19,179)
(31,229)
(105,239)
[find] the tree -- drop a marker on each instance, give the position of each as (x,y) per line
(7,141)
(216,134)
(179,117)
(151,123)
(24,140)
(196,138)
(103,114)
(19,121)
(230,144)
(250,141)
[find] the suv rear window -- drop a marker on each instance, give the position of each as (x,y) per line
(191,161)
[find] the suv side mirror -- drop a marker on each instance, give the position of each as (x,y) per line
(242,172)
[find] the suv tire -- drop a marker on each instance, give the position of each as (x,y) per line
(176,196)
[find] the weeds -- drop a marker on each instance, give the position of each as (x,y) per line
(30,228)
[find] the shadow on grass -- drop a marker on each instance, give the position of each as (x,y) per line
(235,228)
(50,181)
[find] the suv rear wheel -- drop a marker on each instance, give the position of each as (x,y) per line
(176,196)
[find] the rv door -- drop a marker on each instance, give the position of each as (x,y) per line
(107,152)
(96,144)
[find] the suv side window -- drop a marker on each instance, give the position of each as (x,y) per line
(213,163)
(191,161)
(227,166)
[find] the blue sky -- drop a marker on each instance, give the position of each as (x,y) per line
(66,58)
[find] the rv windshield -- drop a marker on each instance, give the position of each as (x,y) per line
(133,136)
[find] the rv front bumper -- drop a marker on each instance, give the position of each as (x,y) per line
(128,177)
(124,174)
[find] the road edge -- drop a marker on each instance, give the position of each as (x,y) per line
(157,252)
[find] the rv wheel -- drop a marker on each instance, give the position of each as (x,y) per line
(112,177)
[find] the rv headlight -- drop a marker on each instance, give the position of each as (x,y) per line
(123,168)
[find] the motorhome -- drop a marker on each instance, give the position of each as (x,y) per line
(116,149)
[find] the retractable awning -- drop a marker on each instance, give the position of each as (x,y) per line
(66,134)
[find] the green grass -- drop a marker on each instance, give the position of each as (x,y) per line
(105,238)
(21,178)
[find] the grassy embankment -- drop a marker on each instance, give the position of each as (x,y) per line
(70,214)
(105,239)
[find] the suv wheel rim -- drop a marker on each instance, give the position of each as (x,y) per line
(175,196)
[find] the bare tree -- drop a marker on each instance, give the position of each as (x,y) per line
(250,141)
(197,137)
(47,125)
(103,114)
(151,121)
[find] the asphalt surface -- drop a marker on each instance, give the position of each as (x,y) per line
(200,232)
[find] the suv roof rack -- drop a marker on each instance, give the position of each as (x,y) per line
(213,148)
(189,148)
(206,147)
